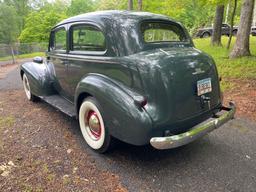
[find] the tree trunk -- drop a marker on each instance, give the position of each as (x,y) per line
(130,5)
(242,45)
(12,52)
(227,11)
(216,35)
(232,24)
(254,15)
(140,5)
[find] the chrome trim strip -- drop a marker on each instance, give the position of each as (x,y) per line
(197,131)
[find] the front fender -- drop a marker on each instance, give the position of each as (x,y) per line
(124,119)
(39,78)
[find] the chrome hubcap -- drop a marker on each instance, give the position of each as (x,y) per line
(93,123)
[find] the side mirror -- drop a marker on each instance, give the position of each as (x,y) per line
(38,60)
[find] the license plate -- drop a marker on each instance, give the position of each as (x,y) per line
(204,86)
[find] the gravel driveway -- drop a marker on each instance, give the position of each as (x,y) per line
(49,154)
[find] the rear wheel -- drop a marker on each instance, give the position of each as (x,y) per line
(206,34)
(92,126)
(27,90)
(234,32)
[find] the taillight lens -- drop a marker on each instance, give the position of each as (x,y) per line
(140,101)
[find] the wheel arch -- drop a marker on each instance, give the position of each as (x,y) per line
(21,73)
(206,32)
(80,99)
(118,108)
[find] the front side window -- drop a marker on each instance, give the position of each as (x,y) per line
(155,32)
(87,38)
(60,39)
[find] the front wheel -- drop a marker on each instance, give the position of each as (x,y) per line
(27,90)
(92,126)
(234,32)
(206,34)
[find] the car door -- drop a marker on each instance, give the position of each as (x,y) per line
(58,57)
(87,54)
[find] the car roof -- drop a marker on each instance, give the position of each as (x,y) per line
(115,16)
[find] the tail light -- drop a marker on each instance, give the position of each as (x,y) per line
(140,101)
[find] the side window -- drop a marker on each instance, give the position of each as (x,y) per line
(87,38)
(60,39)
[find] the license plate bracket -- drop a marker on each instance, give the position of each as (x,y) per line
(204,86)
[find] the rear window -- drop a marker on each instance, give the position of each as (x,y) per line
(155,32)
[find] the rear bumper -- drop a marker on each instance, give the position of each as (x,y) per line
(197,131)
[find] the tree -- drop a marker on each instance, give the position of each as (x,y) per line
(232,24)
(111,4)
(130,5)
(216,36)
(22,8)
(9,26)
(242,45)
(140,5)
(38,25)
(80,6)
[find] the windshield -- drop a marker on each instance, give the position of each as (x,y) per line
(157,32)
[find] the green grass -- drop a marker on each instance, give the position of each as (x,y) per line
(230,68)
(23,56)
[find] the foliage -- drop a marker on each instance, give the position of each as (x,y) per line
(190,13)
(80,6)
(22,8)
(194,16)
(37,29)
(8,30)
(111,4)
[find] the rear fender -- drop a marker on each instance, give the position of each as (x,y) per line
(39,78)
(123,117)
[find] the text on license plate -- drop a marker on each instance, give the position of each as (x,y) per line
(204,86)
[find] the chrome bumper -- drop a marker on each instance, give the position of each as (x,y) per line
(197,131)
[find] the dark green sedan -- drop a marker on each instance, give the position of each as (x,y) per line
(131,76)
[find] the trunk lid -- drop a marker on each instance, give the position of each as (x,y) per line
(170,77)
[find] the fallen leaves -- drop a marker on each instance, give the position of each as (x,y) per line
(244,95)
(5,169)
(69,151)
(46,150)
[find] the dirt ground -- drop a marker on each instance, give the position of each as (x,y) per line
(5,69)
(244,95)
(39,150)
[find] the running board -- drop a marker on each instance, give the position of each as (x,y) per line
(61,104)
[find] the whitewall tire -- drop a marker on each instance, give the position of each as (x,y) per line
(92,125)
(27,89)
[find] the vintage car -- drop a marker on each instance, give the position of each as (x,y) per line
(129,76)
